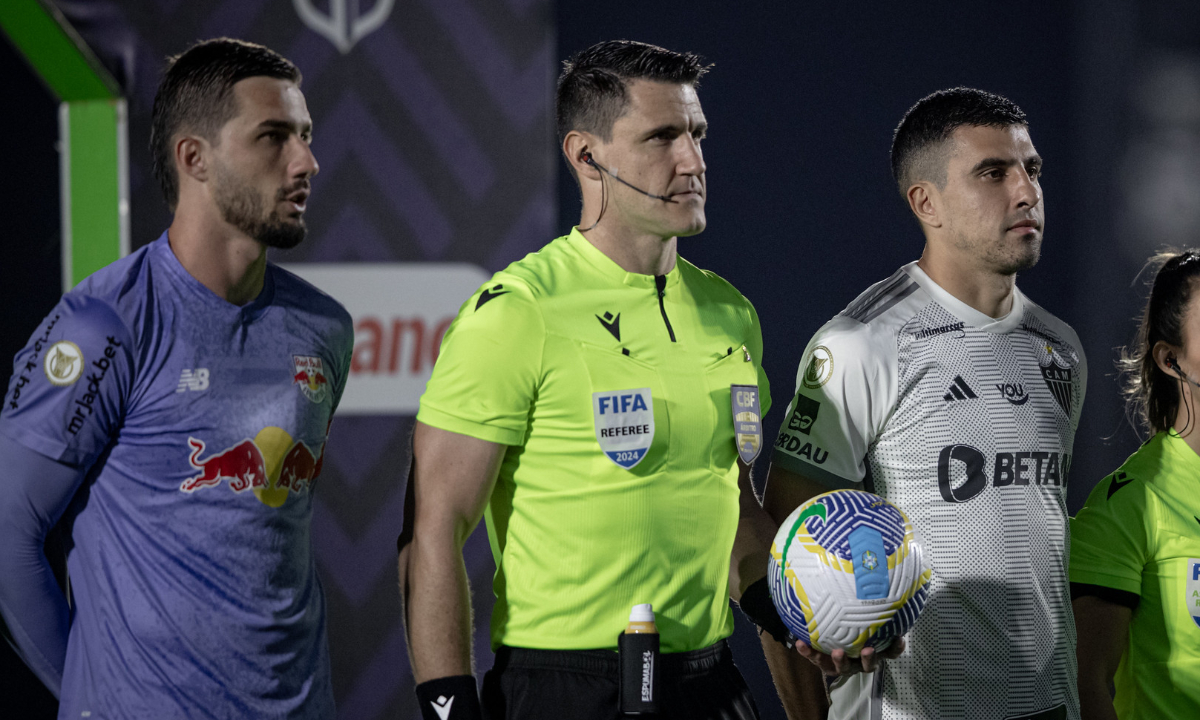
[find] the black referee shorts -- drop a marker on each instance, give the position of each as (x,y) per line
(582,685)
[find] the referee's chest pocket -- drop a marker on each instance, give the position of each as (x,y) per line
(628,403)
(735,369)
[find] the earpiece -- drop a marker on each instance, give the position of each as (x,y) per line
(587,159)
(1174,365)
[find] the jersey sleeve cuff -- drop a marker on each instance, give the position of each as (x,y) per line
(826,478)
(1108,594)
(1085,577)
(47,447)
(490,433)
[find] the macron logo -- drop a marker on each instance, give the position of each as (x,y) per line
(194,380)
(442,706)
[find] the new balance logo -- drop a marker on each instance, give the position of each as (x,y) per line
(442,705)
(611,324)
(959,390)
(194,380)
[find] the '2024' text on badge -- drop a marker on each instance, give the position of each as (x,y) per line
(624,422)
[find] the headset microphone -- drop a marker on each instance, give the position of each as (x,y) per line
(588,159)
(1174,365)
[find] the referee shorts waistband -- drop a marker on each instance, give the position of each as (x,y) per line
(605,663)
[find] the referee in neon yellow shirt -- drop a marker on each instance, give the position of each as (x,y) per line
(599,402)
(1135,545)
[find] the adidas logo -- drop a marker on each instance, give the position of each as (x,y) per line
(959,390)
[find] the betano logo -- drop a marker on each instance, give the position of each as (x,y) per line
(401,313)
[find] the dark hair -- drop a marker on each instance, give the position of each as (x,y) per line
(1151,395)
(196,95)
(591,89)
(928,124)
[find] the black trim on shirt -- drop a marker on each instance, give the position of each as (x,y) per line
(660,282)
(1123,598)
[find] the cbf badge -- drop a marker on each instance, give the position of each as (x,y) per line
(747,421)
(624,424)
(1193,589)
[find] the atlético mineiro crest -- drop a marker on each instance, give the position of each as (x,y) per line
(310,377)
(1057,375)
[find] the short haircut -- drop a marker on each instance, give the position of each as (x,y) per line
(196,95)
(918,146)
(592,86)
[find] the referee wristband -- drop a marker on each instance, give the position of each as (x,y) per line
(758,608)
(449,698)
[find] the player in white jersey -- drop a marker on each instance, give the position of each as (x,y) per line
(947,391)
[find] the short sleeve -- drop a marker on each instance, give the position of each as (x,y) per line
(70,383)
(845,388)
(1112,534)
(344,352)
(489,367)
(755,346)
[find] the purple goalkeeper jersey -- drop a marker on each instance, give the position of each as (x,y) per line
(203,424)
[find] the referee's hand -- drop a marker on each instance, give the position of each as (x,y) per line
(839,663)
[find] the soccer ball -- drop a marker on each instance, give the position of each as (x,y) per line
(847,571)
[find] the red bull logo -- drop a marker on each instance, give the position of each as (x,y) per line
(310,377)
(271,466)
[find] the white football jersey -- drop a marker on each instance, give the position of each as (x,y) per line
(966,423)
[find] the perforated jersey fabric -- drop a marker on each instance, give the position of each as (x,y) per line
(966,422)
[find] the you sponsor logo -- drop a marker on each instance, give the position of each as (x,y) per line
(1014,393)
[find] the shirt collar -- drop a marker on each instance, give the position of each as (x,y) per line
(610,269)
(965,312)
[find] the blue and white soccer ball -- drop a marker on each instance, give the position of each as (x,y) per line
(847,571)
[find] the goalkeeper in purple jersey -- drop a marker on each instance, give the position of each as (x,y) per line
(173,409)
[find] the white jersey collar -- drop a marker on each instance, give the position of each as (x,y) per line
(965,312)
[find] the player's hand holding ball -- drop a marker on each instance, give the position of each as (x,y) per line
(849,578)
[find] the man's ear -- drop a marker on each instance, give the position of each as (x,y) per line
(577,149)
(192,157)
(925,202)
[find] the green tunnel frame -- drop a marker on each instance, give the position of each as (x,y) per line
(93,148)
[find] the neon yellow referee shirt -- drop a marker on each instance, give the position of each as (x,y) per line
(613,391)
(1139,534)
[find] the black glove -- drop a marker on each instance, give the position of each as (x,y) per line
(449,698)
(758,608)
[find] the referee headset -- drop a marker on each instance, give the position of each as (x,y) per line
(586,157)
(1174,365)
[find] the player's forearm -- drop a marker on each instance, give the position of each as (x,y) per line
(752,541)
(1095,702)
(799,683)
(437,608)
(34,492)
(751,549)
(35,610)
